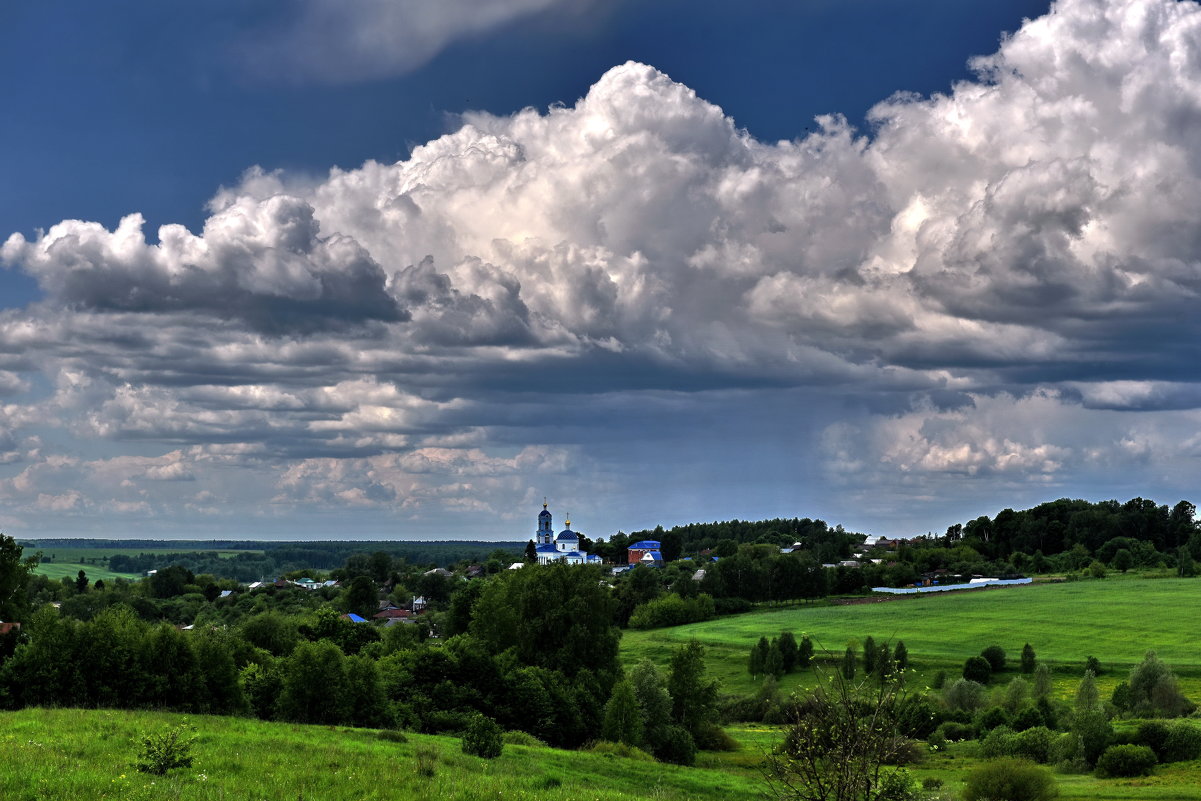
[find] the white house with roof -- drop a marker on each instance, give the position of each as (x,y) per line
(562,547)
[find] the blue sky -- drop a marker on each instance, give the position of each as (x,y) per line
(667,261)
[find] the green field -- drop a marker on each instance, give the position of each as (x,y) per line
(46,755)
(1116,619)
(56,570)
(68,561)
(77,554)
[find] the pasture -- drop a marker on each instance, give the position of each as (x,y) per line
(1116,619)
(59,570)
(70,559)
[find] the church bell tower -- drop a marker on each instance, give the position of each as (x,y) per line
(546,534)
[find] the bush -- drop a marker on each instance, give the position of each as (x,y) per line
(1010,780)
(427,759)
(898,786)
(1028,718)
(964,694)
(392,736)
(906,752)
(672,610)
(620,750)
(977,669)
(166,750)
(1066,751)
(1126,760)
(1036,744)
(916,716)
(483,738)
(521,738)
(1183,743)
(940,679)
(676,746)
(955,732)
(1154,735)
(731,606)
(1121,697)
(1000,742)
(995,655)
(711,737)
(994,717)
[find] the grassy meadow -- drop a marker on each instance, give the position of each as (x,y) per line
(62,754)
(70,754)
(57,570)
(69,560)
(1116,619)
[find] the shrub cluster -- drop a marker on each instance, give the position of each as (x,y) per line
(1120,761)
(672,610)
(166,750)
(1011,780)
(483,738)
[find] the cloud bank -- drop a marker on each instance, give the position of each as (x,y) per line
(999,283)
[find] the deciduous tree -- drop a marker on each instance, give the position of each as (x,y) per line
(838,744)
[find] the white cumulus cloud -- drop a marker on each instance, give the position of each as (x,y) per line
(1020,250)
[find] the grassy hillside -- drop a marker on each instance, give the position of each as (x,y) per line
(71,754)
(46,755)
(1116,619)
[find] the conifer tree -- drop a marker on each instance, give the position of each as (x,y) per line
(774,666)
(788,651)
(848,664)
(754,664)
(1028,659)
(884,663)
(869,655)
(759,654)
(900,656)
(804,653)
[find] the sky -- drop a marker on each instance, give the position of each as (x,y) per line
(363,269)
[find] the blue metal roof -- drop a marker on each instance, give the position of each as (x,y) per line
(545,548)
(355,618)
(658,557)
(567,534)
(645,544)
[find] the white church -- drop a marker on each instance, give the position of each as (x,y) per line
(565,547)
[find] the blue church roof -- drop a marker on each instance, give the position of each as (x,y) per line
(567,534)
(546,548)
(645,544)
